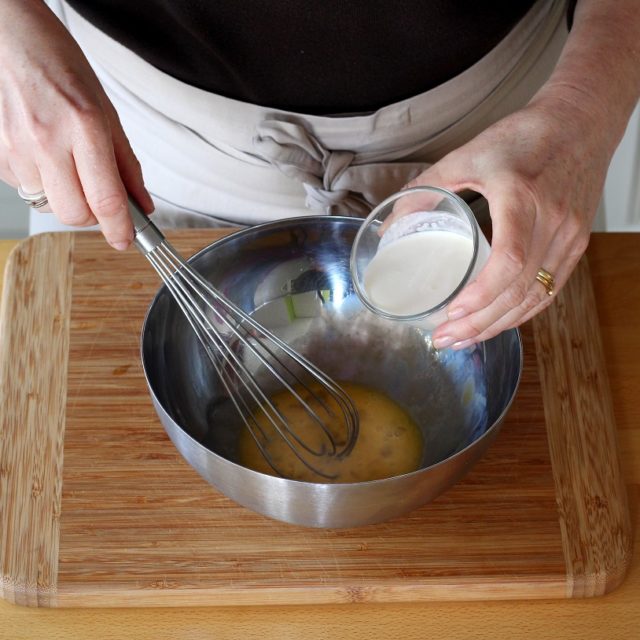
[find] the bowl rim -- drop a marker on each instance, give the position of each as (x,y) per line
(497,423)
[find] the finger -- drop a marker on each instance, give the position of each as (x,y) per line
(534,301)
(61,184)
(569,251)
(28,179)
(446,173)
(412,202)
(490,321)
(442,175)
(29,182)
(128,164)
(19,152)
(105,194)
(506,275)
(505,282)
(26,173)
(565,250)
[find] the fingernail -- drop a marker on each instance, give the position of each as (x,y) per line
(456,314)
(462,344)
(443,342)
(120,246)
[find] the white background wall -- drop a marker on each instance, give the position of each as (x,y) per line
(620,210)
(14,216)
(622,190)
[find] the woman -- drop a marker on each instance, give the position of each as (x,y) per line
(243,113)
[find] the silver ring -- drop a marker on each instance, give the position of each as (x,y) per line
(35,200)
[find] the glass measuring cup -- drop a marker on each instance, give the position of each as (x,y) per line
(414,253)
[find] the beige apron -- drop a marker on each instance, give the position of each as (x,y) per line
(208,159)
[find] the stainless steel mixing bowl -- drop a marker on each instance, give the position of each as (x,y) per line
(293,275)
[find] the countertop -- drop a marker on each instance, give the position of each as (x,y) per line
(614,261)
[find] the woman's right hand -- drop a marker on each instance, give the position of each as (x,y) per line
(58,130)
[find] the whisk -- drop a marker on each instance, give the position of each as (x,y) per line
(236,344)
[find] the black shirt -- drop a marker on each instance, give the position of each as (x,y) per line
(322,57)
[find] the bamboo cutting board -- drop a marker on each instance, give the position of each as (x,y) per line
(97,508)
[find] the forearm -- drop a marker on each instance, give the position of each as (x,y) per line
(13,13)
(598,74)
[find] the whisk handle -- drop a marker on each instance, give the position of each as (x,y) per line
(147,236)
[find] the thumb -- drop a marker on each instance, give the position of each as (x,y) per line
(453,172)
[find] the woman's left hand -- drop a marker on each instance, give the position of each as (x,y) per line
(542,171)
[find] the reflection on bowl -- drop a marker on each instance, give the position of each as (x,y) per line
(293,276)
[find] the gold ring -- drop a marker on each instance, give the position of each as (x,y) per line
(546,280)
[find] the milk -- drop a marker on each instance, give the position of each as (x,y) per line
(418,271)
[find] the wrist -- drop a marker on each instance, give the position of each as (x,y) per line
(576,104)
(597,79)
(599,116)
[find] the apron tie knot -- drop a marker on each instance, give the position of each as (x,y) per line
(335,181)
(296,152)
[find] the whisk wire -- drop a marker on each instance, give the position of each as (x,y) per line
(210,314)
(168,264)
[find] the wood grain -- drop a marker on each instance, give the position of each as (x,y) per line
(139,527)
(34,348)
(596,531)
